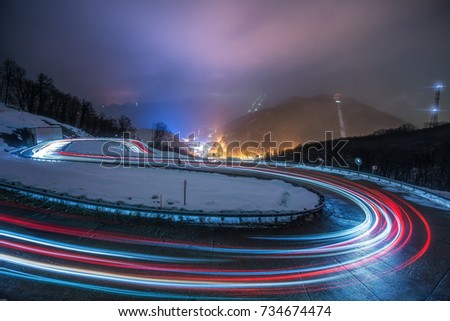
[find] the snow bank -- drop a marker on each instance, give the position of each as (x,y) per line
(206,192)
(12,119)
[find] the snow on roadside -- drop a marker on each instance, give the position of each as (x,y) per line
(12,119)
(205,191)
(438,192)
(416,194)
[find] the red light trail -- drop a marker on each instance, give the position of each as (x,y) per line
(68,254)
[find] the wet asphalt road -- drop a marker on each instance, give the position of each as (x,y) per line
(188,262)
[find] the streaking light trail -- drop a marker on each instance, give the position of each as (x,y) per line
(70,255)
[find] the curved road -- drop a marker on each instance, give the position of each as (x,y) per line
(370,244)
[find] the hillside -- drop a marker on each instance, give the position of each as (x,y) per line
(14,124)
(420,157)
(302,119)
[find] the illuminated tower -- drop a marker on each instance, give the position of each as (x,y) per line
(435,110)
(338,101)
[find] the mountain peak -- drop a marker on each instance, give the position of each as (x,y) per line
(302,119)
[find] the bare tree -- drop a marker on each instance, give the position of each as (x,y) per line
(125,124)
(160,132)
(31,94)
(19,90)
(86,107)
(8,70)
(43,98)
(44,88)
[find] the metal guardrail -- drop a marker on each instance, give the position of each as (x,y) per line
(247,219)
(418,191)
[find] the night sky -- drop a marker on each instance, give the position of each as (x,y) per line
(193,62)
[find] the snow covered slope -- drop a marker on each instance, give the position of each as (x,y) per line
(14,122)
(132,185)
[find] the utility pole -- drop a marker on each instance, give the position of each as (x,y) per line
(185,191)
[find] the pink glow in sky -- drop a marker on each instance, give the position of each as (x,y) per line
(218,56)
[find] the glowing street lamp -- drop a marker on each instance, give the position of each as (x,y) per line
(435,110)
(358,162)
